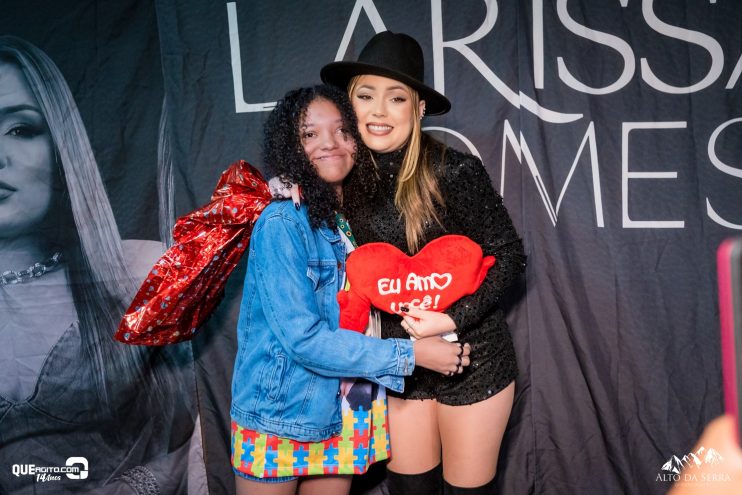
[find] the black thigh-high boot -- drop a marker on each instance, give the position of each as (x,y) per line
(427,483)
(486,489)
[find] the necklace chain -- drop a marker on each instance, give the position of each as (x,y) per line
(34,271)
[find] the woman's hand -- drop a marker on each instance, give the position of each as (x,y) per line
(439,355)
(420,323)
(284,189)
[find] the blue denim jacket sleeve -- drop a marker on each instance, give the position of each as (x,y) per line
(291,309)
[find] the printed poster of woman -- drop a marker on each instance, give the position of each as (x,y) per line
(122,417)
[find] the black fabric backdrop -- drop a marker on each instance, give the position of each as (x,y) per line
(611,128)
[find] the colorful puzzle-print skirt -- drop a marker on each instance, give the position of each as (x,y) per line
(364,439)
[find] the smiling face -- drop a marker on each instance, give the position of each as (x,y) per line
(385,111)
(26,156)
(326,142)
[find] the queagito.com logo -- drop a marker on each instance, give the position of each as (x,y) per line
(75,468)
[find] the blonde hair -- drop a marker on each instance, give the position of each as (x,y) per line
(417,187)
(99,279)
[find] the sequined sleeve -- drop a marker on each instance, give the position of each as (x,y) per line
(477,211)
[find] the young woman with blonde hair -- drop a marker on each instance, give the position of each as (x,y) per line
(423,190)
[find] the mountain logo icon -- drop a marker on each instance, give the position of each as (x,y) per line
(695,459)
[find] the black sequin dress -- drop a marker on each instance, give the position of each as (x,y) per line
(474,209)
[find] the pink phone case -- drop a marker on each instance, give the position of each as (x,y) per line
(729,269)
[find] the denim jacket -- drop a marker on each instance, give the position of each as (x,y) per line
(291,353)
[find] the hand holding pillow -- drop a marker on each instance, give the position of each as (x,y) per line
(380,275)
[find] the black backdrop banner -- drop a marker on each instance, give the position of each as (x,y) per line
(80,413)
(611,128)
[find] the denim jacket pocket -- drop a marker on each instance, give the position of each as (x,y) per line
(321,404)
(275,381)
(321,272)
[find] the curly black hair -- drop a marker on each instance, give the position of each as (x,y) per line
(283,153)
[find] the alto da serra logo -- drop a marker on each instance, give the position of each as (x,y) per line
(688,467)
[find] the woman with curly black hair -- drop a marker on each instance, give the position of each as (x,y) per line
(284,154)
(286,391)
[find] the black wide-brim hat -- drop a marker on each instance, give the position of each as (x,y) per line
(396,56)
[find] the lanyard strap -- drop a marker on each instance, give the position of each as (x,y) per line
(342,224)
(345,228)
(374,328)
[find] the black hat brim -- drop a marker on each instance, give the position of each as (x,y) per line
(340,73)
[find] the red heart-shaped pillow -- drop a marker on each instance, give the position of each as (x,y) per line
(380,275)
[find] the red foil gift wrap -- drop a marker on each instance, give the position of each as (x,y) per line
(187,282)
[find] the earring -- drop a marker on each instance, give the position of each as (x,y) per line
(422,114)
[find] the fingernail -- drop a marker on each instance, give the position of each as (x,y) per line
(296,205)
(404,308)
